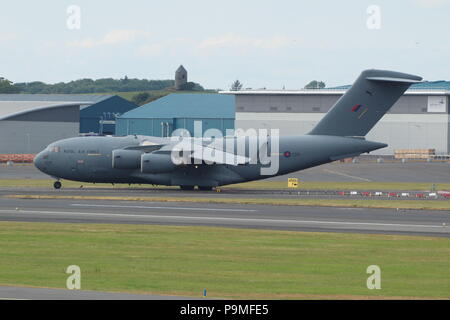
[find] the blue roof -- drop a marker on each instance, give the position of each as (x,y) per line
(443,85)
(112,104)
(190,105)
(435,85)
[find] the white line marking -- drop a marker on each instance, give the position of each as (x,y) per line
(151,216)
(346,175)
(170,208)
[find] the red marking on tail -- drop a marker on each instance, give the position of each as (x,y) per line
(356,107)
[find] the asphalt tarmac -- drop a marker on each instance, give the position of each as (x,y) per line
(296,218)
(25,293)
(434,172)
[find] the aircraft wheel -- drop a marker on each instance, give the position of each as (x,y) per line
(205,188)
(187,187)
(57,185)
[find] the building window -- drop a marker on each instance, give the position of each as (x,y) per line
(273,108)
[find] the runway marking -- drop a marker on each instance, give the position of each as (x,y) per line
(346,175)
(151,216)
(170,208)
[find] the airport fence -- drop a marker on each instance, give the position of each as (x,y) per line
(17,158)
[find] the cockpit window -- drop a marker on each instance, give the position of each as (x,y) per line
(54,149)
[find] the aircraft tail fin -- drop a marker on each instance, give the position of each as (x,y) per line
(365,103)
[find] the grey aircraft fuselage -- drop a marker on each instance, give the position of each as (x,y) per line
(132,159)
(89,159)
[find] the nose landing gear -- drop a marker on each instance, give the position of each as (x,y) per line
(57,185)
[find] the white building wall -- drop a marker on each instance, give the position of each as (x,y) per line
(400,131)
(32,137)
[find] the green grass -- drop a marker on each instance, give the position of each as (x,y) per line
(229,263)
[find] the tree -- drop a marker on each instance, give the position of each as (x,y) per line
(6,86)
(191,86)
(236,86)
(315,85)
(140,98)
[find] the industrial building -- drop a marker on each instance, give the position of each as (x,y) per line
(419,119)
(161,117)
(29,122)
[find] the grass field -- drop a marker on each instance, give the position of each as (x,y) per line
(229,263)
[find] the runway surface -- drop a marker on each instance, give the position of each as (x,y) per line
(435,172)
(297,218)
(225,193)
(24,293)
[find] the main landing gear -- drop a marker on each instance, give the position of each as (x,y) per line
(57,185)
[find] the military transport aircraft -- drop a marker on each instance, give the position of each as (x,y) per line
(214,161)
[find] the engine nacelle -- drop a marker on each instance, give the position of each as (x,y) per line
(157,163)
(126,159)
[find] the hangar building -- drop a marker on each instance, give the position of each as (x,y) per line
(419,119)
(29,122)
(175,111)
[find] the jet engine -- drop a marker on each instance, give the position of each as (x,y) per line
(126,159)
(157,163)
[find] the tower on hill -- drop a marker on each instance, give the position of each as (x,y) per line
(181,77)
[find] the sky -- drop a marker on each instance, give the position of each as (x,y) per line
(264,44)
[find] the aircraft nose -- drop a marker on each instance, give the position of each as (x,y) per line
(39,161)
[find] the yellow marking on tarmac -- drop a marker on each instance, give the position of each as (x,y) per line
(346,175)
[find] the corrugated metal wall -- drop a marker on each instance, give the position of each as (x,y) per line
(31,137)
(162,127)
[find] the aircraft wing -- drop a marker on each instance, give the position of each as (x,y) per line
(146,148)
(199,151)
(218,156)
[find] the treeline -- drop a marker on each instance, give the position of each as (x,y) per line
(92,86)
(95,86)
(6,86)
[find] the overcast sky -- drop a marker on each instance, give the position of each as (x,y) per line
(263,43)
